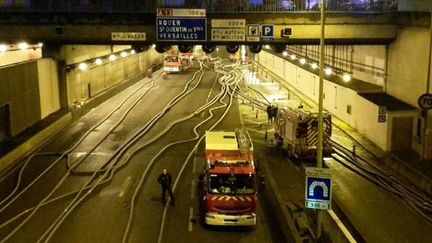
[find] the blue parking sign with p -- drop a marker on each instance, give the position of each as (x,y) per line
(267,31)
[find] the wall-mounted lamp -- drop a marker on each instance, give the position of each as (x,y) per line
(23,46)
(83,66)
(314,65)
(346,77)
(3,48)
(98,61)
(112,57)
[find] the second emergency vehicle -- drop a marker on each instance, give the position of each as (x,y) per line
(297,131)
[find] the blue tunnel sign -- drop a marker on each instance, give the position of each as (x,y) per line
(318,188)
(181,29)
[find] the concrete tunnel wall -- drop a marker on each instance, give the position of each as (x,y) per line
(13,57)
(408,70)
(408,64)
(83,85)
(21,92)
(30,90)
(48,86)
(364,114)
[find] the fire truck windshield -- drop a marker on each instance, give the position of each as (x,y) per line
(171,59)
(232,184)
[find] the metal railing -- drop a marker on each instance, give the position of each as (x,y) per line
(218,6)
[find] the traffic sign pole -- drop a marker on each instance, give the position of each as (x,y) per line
(428,80)
(320,108)
(425,103)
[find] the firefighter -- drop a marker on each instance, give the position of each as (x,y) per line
(269,114)
(165,180)
(273,112)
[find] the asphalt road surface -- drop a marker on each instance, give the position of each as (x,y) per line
(124,192)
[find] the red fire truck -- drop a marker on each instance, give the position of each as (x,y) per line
(172,63)
(297,130)
(175,62)
(228,187)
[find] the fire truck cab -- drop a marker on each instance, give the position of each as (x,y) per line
(172,63)
(228,188)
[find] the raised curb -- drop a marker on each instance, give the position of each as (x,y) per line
(273,197)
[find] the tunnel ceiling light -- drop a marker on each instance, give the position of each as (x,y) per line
(346,77)
(132,52)
(112,57)
(217,48)
(293,57)
(314,65)
(153,46)
(3,48)
(83,66)
(23,46)
(123,54)
(98,61)
(302,61)
(285,53)
(40,44)
(328,71)
(267,47)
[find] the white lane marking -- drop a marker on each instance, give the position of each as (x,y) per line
(256,130)
(194,165)
(126,186)
(190,226)
(341,226)
(193,189)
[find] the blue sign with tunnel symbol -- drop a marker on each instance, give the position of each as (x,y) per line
(318,188)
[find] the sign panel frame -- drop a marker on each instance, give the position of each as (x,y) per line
(382,110)
(382,118)
(181,27)
(251,36)
(128,36)
(231,34)
(425,101)
(228,23)
(318,178)
(180,12)
(265,36)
